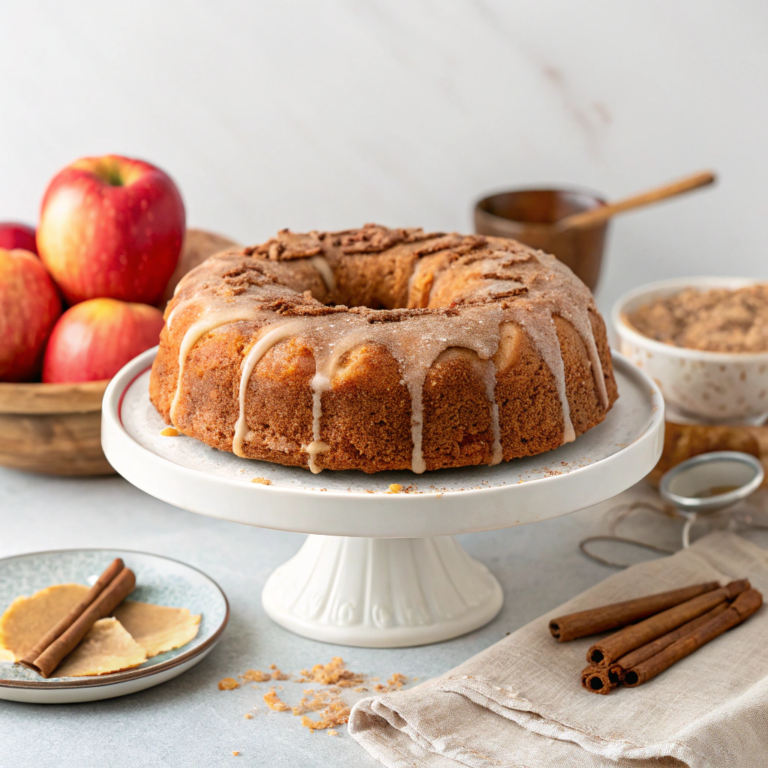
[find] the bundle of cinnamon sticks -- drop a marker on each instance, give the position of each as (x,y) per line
(658,630)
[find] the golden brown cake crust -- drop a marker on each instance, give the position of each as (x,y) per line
(379,348)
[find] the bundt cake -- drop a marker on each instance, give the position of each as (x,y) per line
(380,348)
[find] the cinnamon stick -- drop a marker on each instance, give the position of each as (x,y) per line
(598,679)
(619,668)
(607,651)
(106,600)
(55,632)
(740,610)
(606,617)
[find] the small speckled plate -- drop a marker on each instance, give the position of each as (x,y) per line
(159,580)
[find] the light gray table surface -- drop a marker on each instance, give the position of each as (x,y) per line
(188,721)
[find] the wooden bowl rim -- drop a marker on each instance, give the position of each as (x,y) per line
(38,398)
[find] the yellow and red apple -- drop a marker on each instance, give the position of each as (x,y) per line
(29,307)
(14,235)
(111,227)
(94,339)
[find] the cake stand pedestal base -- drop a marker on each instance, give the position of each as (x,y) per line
(381,593)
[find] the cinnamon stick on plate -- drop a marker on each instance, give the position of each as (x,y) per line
(595,620)
(110,589)
(619,669)
(740,610)
(607,651)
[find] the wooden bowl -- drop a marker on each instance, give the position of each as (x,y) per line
(53,428)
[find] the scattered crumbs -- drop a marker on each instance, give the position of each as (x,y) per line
(256,676)
(368,490)
(169,432)
(262,480)
(273,701)
(395,488)
(235,753)
(336,713)
(333,673)
(278,674)
(328,701)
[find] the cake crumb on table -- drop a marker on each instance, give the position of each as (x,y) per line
(235,753)
(256,676)
(333,733)
(273,701)
(262,480)
(395,488)
(248,716)
(169,432)
(228,684)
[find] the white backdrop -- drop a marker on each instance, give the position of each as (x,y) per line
(331,114)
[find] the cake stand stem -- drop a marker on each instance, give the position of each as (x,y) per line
(381,593)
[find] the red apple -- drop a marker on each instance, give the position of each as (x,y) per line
(94,339)
(111,227)
(29,306)
(15,235)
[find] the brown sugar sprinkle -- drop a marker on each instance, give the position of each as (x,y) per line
(256,676)
(169,432)
(228,684)
(273,701)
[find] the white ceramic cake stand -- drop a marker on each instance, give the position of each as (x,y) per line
(382,569)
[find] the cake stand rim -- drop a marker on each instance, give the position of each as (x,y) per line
(619,471)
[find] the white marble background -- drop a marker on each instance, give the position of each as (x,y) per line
(330,114)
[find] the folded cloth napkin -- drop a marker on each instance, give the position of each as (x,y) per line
(520,702)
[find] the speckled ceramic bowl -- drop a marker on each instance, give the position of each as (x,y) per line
(710,386)
(159,580)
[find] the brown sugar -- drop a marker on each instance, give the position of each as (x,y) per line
(228,684)
(273,701)
(717,320)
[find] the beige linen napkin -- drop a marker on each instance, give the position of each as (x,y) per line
(520,702)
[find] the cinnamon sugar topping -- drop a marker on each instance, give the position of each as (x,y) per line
(717,320)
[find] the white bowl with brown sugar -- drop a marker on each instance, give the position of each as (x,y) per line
(704,340)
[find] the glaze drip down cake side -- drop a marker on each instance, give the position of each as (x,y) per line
(378,349)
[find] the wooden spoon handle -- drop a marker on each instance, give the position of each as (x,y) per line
(598,215)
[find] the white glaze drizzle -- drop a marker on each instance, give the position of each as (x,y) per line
(210,321)
(497,453)
(320,263)
(274,334)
